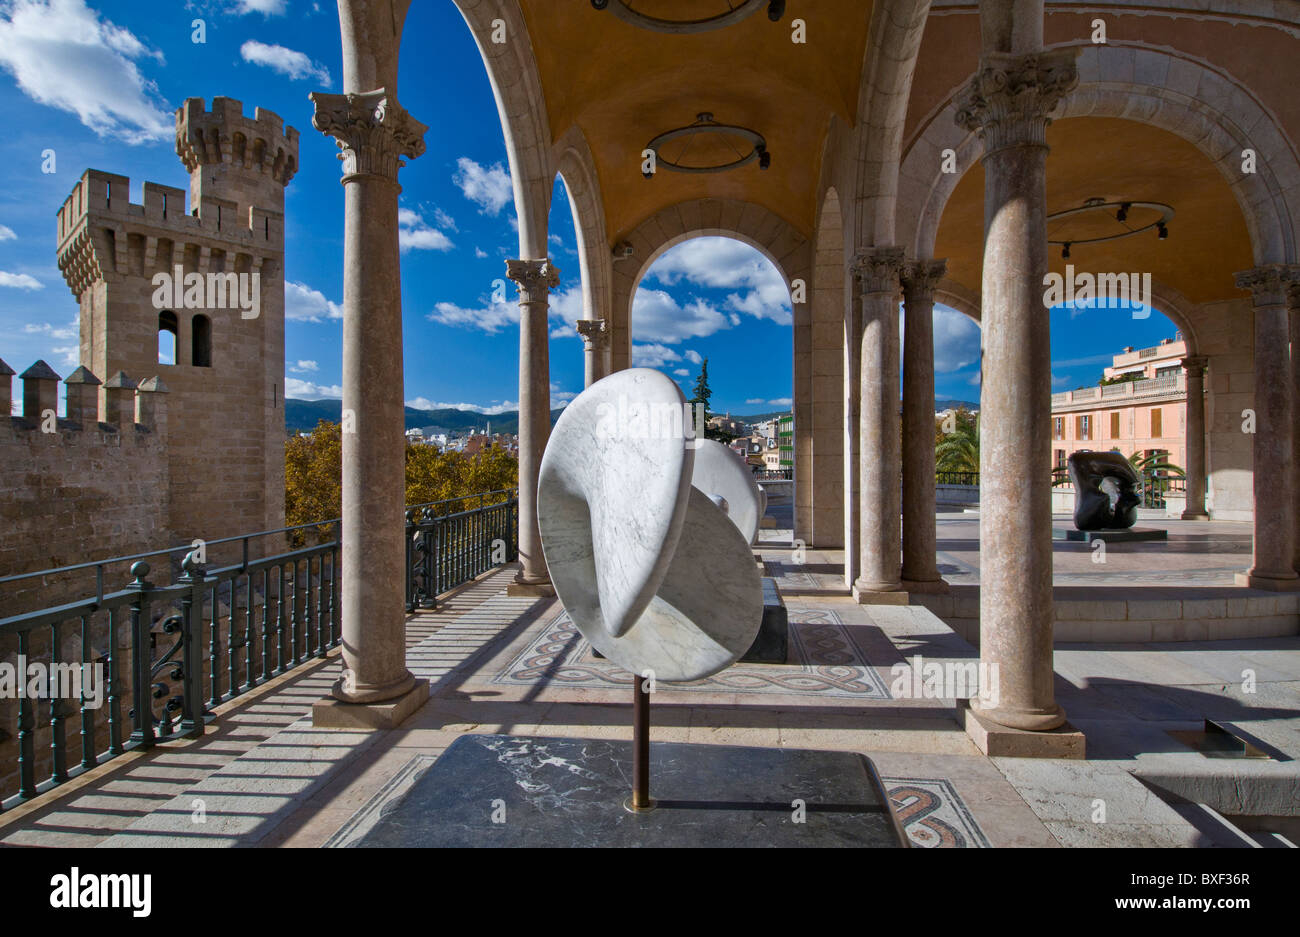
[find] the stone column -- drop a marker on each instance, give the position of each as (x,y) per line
(535,279)
(1273,566)
(1294,301)
(1007,104)
(1195,365)
(852,411)
(920,574)
(879,457)
(595,349)
(373,134)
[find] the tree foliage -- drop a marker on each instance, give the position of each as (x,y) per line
(313,476)
(958,450)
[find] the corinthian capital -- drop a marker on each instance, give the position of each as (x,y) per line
(593,331)
(1008,101)
(1270,283)
(535,279)
(373,131)
(920,279)
(878,269)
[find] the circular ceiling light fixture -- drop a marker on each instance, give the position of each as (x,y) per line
(736,11)
(1098,220)
(711,141)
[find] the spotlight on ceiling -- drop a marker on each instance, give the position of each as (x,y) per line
(1162,230)
(1065,251)
(776,10)
(1122,215)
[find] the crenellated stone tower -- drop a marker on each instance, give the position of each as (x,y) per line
(197,297)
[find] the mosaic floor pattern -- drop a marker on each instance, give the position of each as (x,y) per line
(931,812)
(825,662)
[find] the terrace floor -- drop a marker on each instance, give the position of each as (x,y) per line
(499,664)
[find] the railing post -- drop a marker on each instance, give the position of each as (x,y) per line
(410,561)
(142,733)
(192,711)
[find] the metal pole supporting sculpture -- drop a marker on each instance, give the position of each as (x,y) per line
(652,571)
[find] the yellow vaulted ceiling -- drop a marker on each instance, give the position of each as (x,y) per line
(623,86)
(1119,160)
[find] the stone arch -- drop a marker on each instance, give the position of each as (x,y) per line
(517,88)
(576,166)
(772,236)
(892,47)
(1167,300)
(1159,87)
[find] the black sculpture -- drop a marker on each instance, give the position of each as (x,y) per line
(1107,491)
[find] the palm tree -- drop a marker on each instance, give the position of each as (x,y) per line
(960,449)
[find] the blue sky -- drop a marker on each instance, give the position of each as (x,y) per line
(98,82)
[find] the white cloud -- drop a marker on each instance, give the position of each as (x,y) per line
(781,402)
(283,60)
(64,55)
(444,220)
(755,400)
(560,398)
(414,233)
(480,253)
(653,356)
(53,331)
(306,390)
(20,281)
(693,356)
(956,340)
(566,309)
(658,317)
(69,355)
(682,372)
(265,7)
(424,403)
(489,188)
(305,367)
(7,234)
(491,317)
(724,263)
(304,304)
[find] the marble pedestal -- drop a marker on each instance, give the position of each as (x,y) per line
(330,713)
(1119,535)
(511,791)
(994,739)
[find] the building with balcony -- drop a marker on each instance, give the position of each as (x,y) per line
(1143,411)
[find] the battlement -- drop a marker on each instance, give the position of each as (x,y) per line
(100,230)
(125,404)
(224,136)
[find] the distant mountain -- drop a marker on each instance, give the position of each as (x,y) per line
(955,405)
(303,415)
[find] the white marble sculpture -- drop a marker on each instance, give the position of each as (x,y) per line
(651,570)
(719,471)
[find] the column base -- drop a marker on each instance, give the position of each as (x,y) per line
(537,589)
(927,586)
(1194,516)
(994,739)
(333,713)
(879,593)
(1273,582)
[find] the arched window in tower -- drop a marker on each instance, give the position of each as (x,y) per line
(201,342)
(167,337)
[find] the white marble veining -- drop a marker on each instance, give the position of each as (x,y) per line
(721,472)
(651,570)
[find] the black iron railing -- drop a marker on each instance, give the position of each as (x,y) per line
(957,478)
(775,475)
(448,545)
(147,663)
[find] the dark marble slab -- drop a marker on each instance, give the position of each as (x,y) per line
(772,643)
(570,792)
(1125,535)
